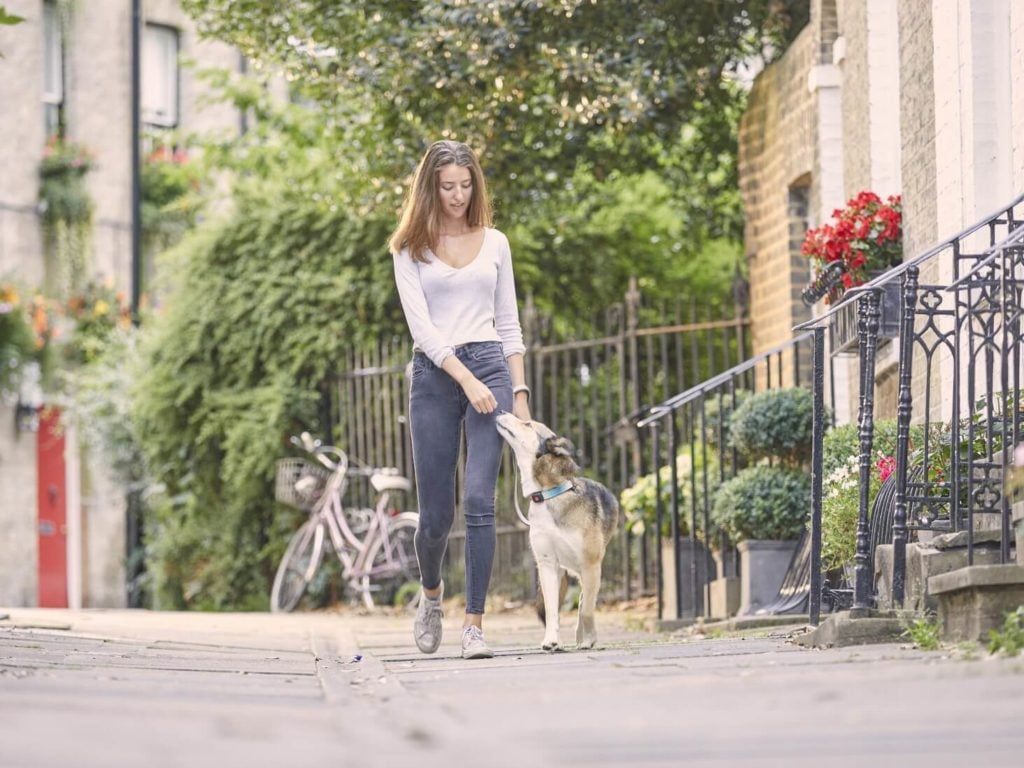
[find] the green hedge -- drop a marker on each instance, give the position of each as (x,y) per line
(262,309)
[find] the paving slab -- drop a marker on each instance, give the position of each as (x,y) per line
(120,688)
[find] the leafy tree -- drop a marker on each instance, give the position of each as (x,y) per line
(574,249)
(538,86)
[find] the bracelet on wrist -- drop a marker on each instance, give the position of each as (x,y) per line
(521,388)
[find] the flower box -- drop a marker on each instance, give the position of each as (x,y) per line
(844,324)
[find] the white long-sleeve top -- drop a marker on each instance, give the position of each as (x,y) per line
(445,307)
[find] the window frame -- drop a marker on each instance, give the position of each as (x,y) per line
(54,73)
(154,118)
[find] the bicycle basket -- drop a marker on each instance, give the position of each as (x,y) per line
(299,483)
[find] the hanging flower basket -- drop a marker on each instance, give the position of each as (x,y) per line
(62,193)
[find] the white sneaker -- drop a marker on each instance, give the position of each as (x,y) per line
(473,645)
(427,627)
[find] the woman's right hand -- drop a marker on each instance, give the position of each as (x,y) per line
(479,395)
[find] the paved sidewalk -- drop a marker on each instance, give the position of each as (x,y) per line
(135,688)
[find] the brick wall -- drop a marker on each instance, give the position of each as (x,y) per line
(777,140)
(826,26)
(856,99)
(917,126)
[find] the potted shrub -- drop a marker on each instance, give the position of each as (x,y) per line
(764,508)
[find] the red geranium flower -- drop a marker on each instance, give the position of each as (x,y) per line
(866,235)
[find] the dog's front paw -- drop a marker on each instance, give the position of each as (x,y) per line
(549,645)
(585,638)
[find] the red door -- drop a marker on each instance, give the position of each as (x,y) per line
(53,549)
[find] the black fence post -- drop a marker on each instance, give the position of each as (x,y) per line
(658,511)
(904,408)
(817,463)
(868,312)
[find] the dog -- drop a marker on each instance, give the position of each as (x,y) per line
(572,519)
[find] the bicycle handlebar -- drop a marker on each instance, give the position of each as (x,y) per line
(320,452)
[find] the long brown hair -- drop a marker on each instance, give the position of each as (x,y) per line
(420,225)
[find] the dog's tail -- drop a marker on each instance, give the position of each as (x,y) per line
(563,588)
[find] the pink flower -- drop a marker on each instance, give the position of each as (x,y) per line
(886,466)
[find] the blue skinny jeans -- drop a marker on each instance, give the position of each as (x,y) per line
(438,411)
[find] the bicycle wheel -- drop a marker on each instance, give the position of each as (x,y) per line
(392,567)
(299,564)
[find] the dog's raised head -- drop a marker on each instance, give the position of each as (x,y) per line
(544,458)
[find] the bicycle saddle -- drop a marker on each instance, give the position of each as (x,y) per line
(387,482)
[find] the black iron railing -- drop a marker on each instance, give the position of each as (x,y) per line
(693,424)
(959,400)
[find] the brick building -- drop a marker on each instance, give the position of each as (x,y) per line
(68,70)
(924,98)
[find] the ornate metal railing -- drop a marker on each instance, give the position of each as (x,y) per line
(692,424)
(959,403)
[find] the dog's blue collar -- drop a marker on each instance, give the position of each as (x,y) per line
(550,493)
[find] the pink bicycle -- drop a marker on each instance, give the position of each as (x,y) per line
(374,546)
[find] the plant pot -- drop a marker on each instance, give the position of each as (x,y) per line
(726,562)
(691,553)
(763,566)
(725,597)
(844,325)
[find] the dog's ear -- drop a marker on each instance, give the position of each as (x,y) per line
(560,446)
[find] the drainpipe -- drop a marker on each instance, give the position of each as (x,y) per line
(133,512)
(136,168)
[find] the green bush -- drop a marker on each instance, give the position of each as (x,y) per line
(840,500)
(763,503)
(718,411)
(639,501)
(776,423)
(1009,640)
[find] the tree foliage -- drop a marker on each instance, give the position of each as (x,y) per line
(538,86)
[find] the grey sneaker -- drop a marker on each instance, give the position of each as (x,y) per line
(473,645)
(427,627)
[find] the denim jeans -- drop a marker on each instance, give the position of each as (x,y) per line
(438,410)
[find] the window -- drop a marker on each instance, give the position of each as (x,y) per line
(160,76)
(53,70)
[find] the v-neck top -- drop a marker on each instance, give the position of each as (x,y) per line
(447,306)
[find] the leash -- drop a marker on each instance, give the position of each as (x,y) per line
(519,511)
(539,496)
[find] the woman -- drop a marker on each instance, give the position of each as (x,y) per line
(454,276)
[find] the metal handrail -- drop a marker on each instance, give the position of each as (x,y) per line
(675,402)
(851,295)
(1014,238)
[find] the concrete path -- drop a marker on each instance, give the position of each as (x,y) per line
(135,688)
